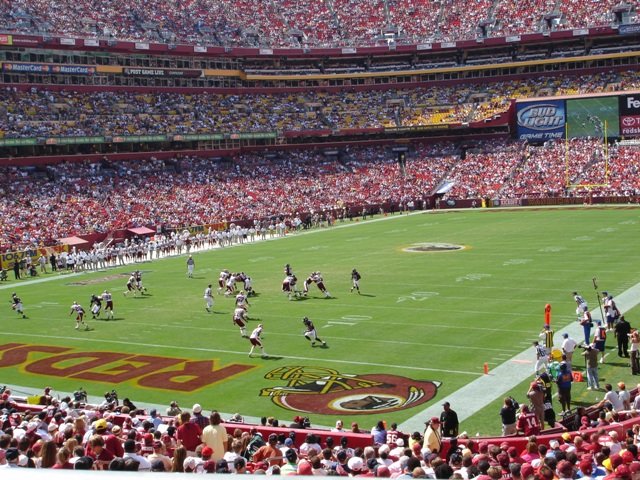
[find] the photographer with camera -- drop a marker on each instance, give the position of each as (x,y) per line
(80,395)
(590,353)
(110,400)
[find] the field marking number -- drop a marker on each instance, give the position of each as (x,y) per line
(417,296)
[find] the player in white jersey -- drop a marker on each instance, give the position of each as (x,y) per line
(107,298)
(79,312)
(132,285)
(320,284)
(208,298)
(241,300)
(222,280)
(582,304)
(240,319)
(256,341)
(310,332)
(231,285)
(248,286)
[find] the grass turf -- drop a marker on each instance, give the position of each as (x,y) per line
(421,316)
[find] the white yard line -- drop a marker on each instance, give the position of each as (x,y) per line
(242,353)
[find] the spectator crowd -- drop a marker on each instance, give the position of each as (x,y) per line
(39,112)
(68,433)
(298,23)
(82,198)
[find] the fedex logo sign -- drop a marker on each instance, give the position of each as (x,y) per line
(632,103)
(629,104)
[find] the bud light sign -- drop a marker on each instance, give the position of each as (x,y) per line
(542,120)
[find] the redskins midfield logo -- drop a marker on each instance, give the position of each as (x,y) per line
(326,391)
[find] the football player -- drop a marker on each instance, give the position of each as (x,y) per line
(131,285)
(310,333)
(208,298)
(96,305)
(248,286)
(256,341)
(240,319)
(141,288)
(241,300)
(107,298)
(355,280)
(222,280)
(289,286)
(320,283)
(16,304)
(79,311)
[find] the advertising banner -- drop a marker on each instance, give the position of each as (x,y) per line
(48,68)
(629,107)
(8,259)
(161,72)
(540,120)
(629,29)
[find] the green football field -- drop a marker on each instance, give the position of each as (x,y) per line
(423,326)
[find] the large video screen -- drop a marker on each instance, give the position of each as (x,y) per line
(586,117)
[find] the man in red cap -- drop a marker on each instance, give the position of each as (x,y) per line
(432,437)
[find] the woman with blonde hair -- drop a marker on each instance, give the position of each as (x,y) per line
(179,454)
(62,460)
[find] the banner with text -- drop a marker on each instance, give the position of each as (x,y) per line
(540,120)
(629,106)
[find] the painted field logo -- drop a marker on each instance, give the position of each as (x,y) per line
(433,247)
(329,392)
(162,373)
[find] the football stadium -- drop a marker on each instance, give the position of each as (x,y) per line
(386,238)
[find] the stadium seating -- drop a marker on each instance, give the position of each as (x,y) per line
(295,22)
(39,112)
(295,183)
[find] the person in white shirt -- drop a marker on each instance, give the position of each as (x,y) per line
(568,347)
(130,452)
(208,298)
(612,398)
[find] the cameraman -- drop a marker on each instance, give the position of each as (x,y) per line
(80,395)
(590,353)
(110,400)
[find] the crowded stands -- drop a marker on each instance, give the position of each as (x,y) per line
(59,431)
(83,198)
(38,112)
(297,22)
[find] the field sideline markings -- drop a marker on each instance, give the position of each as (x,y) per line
(62,276)
(244,353)
(488,388)
(280,334)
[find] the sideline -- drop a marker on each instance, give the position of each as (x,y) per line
(50,277)
(515,370)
